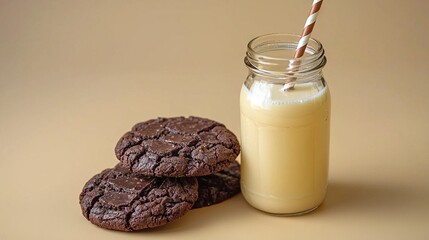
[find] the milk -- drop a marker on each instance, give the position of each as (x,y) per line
(284,146)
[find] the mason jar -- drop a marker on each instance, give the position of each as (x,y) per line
(285,118)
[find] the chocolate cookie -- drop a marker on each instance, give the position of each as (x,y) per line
(218,187)
(177,147)
(121,200)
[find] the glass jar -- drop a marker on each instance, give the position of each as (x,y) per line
(284,131)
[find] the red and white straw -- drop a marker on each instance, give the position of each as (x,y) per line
(303,41)
(308,28)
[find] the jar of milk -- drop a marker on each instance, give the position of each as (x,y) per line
(284,131)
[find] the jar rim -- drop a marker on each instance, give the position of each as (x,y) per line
(312,41)
(259,60)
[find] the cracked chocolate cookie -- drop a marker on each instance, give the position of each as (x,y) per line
(177,147)
(121,200)
(218,187)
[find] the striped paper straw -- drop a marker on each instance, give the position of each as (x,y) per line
(308,28)
(303,41)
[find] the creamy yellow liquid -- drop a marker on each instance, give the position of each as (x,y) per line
(285,146)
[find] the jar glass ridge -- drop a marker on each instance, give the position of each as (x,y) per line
(271,56)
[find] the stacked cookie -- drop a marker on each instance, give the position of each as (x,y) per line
(167,167)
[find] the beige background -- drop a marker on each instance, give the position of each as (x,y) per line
(75,75)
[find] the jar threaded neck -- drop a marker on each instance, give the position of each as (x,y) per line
(271,56)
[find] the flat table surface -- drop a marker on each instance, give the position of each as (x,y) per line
(76,75)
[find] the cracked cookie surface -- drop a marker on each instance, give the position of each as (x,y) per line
(121,200)
(177,147)
(218,187)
